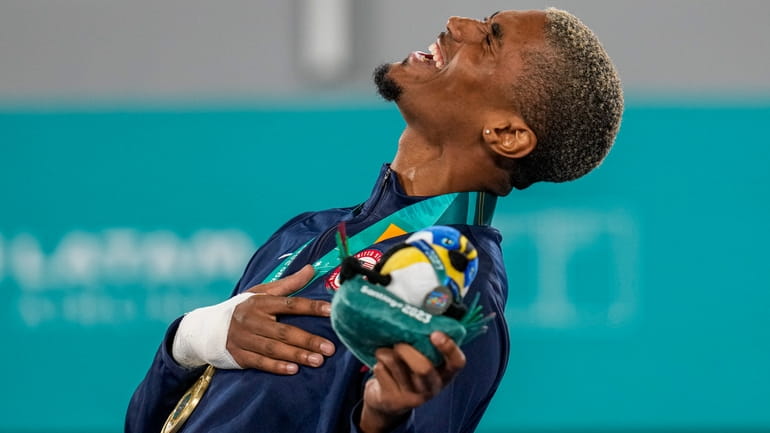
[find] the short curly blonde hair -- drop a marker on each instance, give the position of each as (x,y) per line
(571,97)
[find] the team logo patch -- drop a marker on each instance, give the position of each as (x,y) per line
(367,258)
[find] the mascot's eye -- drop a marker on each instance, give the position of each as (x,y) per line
(459,261)
(448,242)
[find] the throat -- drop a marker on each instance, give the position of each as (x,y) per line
(432,176)
(421,181)
(427,167)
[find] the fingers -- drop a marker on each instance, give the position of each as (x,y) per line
(414,372)
(383,406)
(279,303)
(425,377)
(257,340)
(384,378)
(396,381)
(286,285)
(254,360)
(395,367)
(280,351)
(276,305)
(404,379)
(270,355)
(257,328)
(454,358)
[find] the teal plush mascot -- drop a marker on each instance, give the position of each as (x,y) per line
(417,288)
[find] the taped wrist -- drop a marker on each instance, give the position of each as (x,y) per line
(202,336)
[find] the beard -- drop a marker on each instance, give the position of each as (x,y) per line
(386,87)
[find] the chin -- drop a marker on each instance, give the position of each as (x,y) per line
(386,86)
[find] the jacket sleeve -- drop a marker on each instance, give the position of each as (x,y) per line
(166,381)
(160,391)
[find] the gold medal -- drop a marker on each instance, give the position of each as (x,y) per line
(187,403)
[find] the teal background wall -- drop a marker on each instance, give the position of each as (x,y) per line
(639,296)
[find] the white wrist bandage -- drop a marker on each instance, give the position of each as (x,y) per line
(202,336)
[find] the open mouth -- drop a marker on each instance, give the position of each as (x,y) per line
(435,56)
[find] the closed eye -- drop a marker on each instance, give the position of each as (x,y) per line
(497,32)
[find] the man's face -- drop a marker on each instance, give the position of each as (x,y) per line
(471,66)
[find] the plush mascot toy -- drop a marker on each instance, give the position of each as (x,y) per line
(417,288)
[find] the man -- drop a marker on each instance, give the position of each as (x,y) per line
(502,103)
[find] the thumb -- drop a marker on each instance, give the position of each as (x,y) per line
(287,285)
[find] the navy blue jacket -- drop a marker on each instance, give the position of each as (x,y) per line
(328,398)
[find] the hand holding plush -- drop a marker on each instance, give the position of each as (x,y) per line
(417,288)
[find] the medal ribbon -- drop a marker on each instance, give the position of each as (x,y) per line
(443,209)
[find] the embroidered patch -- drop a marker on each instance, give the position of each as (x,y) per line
(368,258)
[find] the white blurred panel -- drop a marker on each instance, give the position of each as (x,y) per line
(325,43)
(96,49)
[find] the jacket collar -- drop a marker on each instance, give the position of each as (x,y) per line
(388,196)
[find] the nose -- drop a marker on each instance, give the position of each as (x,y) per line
(463,29)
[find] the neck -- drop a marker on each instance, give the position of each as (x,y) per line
(432,167)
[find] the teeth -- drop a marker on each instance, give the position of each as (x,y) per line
(433,48)
(423,57)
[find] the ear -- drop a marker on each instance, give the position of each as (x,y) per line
(509,135)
